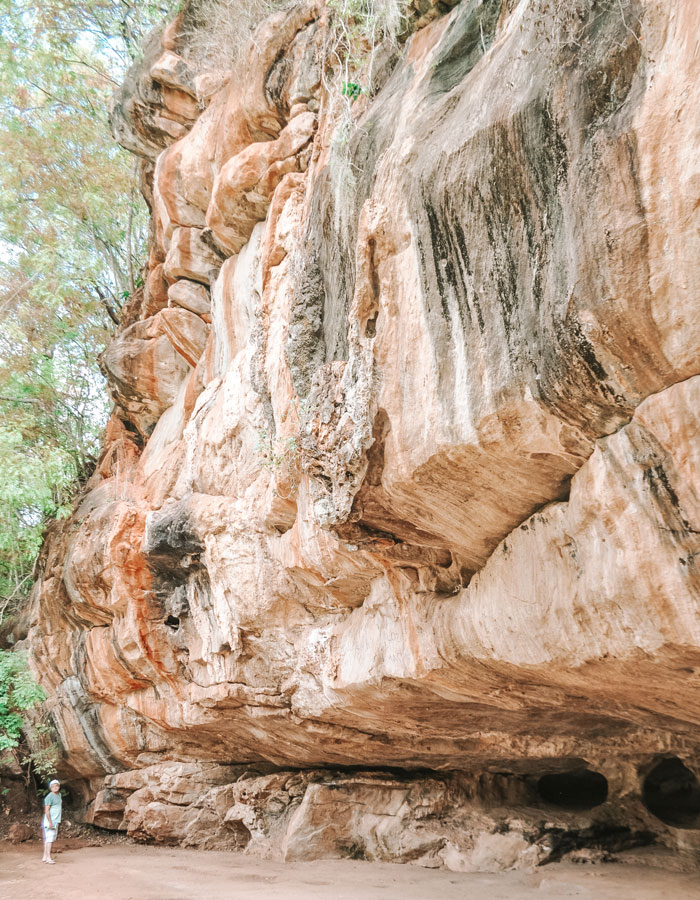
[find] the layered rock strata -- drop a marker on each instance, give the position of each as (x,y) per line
(398,510)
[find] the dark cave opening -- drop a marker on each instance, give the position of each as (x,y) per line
(577,789)
(173,622)
(671,792)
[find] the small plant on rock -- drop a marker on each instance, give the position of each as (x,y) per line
(357,28)
(351,89)
(282,455)
(356,31)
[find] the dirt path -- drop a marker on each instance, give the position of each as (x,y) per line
(131,872)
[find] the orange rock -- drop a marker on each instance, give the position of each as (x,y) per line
(186,331)
(411,479)
(156,292)
(190,257)
(180,103)
(144,372)
(189,295)
(172,71)
(244,186)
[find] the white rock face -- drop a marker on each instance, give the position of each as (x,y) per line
(415,488)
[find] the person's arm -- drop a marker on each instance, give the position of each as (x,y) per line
(47,813)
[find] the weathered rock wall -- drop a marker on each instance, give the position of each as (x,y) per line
(399,506)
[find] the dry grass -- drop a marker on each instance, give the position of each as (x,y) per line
(357,30)
(564,23)
(215,32)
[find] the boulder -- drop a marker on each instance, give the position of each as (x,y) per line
(19,832)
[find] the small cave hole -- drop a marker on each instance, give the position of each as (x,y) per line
(241,833)
(172,622)
(371,326)
(579,789)
(671,792)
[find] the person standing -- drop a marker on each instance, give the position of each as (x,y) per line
(51,819)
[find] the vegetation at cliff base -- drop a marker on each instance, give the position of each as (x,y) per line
(72,237)
(18,693)
(26,741)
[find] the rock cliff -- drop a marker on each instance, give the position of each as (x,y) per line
(393,547)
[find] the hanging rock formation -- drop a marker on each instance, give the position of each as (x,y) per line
(392,550)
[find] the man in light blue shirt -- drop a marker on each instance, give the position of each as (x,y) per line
(52,818)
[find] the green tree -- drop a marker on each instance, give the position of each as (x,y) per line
(25,738)
(18,693)
(72,243)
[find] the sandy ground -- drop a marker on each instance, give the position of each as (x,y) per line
(132,872)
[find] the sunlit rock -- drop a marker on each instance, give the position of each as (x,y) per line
(392,549)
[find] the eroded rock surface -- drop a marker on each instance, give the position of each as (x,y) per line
(404,469)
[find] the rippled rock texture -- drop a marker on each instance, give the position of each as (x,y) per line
(398,513)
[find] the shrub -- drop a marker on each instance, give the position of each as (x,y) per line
(25,739)
(18,694)
(357,29)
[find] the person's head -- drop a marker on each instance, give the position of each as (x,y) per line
(55,785)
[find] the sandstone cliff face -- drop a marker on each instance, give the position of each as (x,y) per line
(404,468)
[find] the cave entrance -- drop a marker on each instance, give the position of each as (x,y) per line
(671,792)
(577,789)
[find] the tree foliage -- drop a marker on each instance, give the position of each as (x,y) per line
(72,240)
(27,739)
(18,693)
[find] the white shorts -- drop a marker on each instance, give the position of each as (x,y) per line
(48,834)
